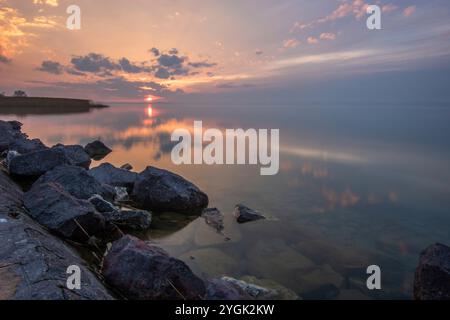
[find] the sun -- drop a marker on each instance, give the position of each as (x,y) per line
(149,99)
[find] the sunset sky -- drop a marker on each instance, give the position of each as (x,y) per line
(127,50)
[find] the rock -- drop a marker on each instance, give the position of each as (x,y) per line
(35,164)
(108,174)
(121,194)
(210,262)
(51,206)
(432,278)
(137,220)
(220,289)
(97,150)
(244,214)
(33,262)
(76,155)
(76,181)
(9,133)
(127,166)
(24,146)
(101,204)
(11,154)
(254,291)
(144,272)
(15,125)
(213,218)
(160,190)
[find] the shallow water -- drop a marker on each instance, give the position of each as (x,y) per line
(358,185)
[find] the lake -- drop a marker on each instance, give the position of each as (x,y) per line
(358,185)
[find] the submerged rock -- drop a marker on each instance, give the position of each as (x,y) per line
(144,272)
(50,205)
(76,181)
(255,291)
(214,218)
(137,220)
(34,262)
(432,278)
(108,174)
(245,214)
(220,289)
(97,150)
(160,190)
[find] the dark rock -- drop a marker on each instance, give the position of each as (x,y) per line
(432,278)
(219,289)
(253,290)
(33,262)
(97,150)
(76,155)
(108,174)
(244,214)
(16,125)
(160,190)
(121,194)
(214,218)
(137,220)
(127,166)
(35,164)
(24,146)
(101,204)
(9,133)
(50,205)
(144,272)
(76,181)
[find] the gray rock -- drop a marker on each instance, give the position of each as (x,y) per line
(108,174)
(101,204)
(432,278)
(137,220)
(220,289)
(127,166)
(76,155)
(35,164)
(213,218)
(141,271)
(51,206)
(33,262)
(121,194)
(245,214)
(97,150)
(9,133)
(24,146)
(161,191)
(76,181)
(255,291)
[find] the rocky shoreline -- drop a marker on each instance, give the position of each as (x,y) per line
(52,202)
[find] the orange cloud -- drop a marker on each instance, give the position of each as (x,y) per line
(328,36)
(52,3)
(409,11)
(312,40)
(290,43)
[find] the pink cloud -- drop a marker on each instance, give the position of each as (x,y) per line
(312,40)
(388,8)
(290,43)
(328,36)
(409,11)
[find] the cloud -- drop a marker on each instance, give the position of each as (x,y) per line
(409,11)
(290,43)
(312,40)
(162,73)
(388,8)
(202,64)
(52,3)
(52,67)
(155,52)
(327,36)
(129,67)
(259,52)
(94,62)
(173,51)
(172,61)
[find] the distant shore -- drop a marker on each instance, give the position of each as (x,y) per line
(44,105)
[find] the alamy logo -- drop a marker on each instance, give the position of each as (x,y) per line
(74,278)
(374,280)
(74,20)
(230,149)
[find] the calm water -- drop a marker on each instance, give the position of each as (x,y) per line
(358,185)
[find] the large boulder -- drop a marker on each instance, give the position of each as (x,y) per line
(9,133)
(244,214)
(432,278)
(144,272)
(76,181)
(97,150)
(23,146)
(33,263)
(161,191)
(75,155)
(74,219)
(35,164)
(108,174)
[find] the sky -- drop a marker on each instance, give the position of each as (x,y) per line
(249,50)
